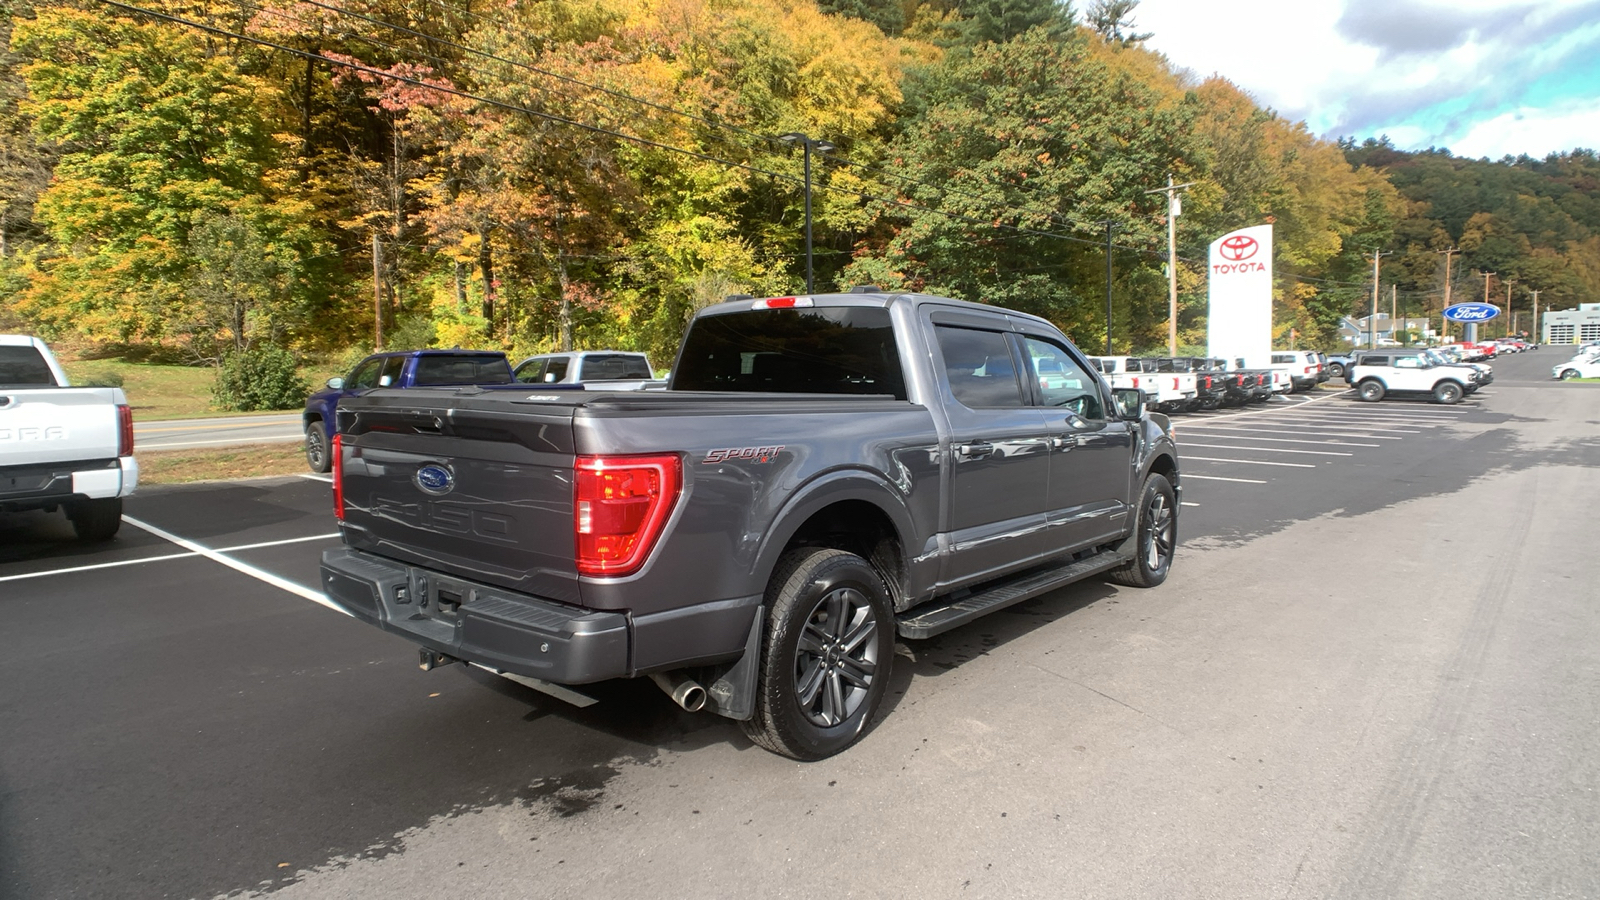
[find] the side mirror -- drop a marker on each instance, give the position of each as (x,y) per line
(336,383)
(1130,403)
(550,378)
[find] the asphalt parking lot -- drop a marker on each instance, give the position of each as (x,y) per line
(1373,673)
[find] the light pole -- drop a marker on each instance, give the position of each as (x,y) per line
(807,144)
(1109,226)
(1471,335)
(1509,283)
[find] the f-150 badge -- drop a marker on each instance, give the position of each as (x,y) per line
(754,454)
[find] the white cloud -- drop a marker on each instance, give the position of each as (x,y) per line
(1423,72)
(1536,132)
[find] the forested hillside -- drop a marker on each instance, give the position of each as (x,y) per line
(1532,223)
(527,175)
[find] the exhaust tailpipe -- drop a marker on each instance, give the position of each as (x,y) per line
(684,691)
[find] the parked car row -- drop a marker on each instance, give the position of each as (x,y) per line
(1182,384)
(1583,364)
(612,370)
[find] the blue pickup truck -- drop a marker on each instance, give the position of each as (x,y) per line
(402,369)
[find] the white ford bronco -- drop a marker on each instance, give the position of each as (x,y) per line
(1377,375)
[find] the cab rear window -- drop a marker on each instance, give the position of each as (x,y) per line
(819,350)
(24,367)
(486,369)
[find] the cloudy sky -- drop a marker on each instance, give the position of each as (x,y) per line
(1481,77)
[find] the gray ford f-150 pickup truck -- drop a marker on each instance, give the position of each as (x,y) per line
(824,473)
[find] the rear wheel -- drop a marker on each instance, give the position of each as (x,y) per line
(825,656)
(1371,391)
(1336,370)
(1569,374)
(317,456)
(96,520)
(1447,392)
(1155,536)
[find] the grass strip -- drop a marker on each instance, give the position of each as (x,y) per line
(220,463)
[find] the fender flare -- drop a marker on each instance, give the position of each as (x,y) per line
(822,491)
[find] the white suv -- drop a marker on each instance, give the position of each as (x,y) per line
(1379,374)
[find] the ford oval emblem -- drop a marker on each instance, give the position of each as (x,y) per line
(435,479)
(1471,312)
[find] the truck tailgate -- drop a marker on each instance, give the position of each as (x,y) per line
(52,425)
(482,493)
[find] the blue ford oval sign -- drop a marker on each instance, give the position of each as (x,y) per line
(434,479)
(1471,312)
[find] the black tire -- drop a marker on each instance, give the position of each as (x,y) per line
(1336,370)
(829,634)
(318,456)
(1447,392)
(1370,390)
(1569,374)
(96,520)
(1155,536)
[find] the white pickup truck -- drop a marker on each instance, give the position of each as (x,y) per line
(1168,391)
(597,370)
(62,447)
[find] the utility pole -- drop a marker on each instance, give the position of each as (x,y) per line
(1472,327)
(1372,321)
(1394,291)
(1444,324)
(1509,283)
(1174,210)
(1110,225)
(1537,333)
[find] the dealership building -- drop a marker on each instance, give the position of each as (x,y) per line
(1573,326)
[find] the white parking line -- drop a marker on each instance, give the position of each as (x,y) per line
(1249,462)
(1442,415)
(1269,450)
(1188,475)
(299,590)
(1309,422)
(1290,441)
(146,559)
(1187,503)
(328,479)
(1271,430)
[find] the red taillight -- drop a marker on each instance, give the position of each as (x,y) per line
(336,447)
(124,430)
(622,503)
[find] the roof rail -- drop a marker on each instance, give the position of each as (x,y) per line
(732,297)
(866,289)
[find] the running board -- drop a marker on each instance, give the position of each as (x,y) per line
(925,622)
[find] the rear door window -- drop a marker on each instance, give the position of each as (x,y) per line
(24,367)
(556,369)
(980,367)
(392,369)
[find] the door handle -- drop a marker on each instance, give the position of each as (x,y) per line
(975,450)
(1063,443)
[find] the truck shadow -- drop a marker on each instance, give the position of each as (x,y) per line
(949,651)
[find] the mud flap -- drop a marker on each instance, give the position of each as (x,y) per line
(732,693)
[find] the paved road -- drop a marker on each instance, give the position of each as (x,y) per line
(1370,675)
(185,434)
